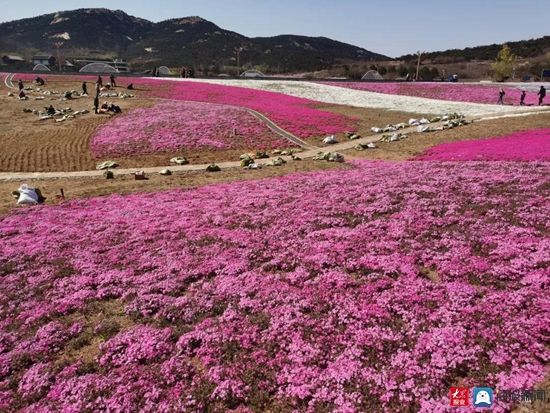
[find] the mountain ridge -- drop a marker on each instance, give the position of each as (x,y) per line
(181,41)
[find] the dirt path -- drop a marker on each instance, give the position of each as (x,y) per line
(280,131)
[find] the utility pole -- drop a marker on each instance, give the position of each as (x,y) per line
(58,45)
(238,51)
(418,65)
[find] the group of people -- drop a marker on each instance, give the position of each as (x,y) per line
(105,107)
(541,94)
(112,80)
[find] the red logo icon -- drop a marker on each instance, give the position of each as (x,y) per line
(460,396)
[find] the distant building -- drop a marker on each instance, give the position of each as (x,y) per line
(252,74)
(372,75)
(46,60)
(11,60)
(68,66)
(119,64)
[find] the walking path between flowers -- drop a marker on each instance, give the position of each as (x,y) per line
(310,152)
(280,131)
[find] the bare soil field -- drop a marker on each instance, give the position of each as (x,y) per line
(29,144)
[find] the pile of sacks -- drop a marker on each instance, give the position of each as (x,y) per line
(116,95)
(352,136)
(289,152)
(27,195)
(248,160)
(179,160)
(106,165)
(389,128)
(365,146)
(329,157)
(277,162)
(330,140)
(213,168)
(452,120)
(394,137)
(60,115)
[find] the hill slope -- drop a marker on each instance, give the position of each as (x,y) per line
(524,48)
(183,41)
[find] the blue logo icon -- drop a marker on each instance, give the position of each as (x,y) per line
(483,397)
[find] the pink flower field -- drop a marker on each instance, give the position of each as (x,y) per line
(533,145)
(173,126)
(296,115)
(370,289)
(459,92)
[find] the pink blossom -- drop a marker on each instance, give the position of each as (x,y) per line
(367,289)
(532,145)
(173,126)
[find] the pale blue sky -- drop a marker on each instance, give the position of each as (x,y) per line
(391,27)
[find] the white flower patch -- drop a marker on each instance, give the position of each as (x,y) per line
(364,99)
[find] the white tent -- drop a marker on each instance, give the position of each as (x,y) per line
(163,70)
(252,73)
(372,75)
(41,68)
(98,68)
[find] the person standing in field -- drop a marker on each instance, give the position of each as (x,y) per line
(522,98)
(113,80)
(541,94)
(100,81)
(21,86)
(84,89)
(96,103)
(501,95)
